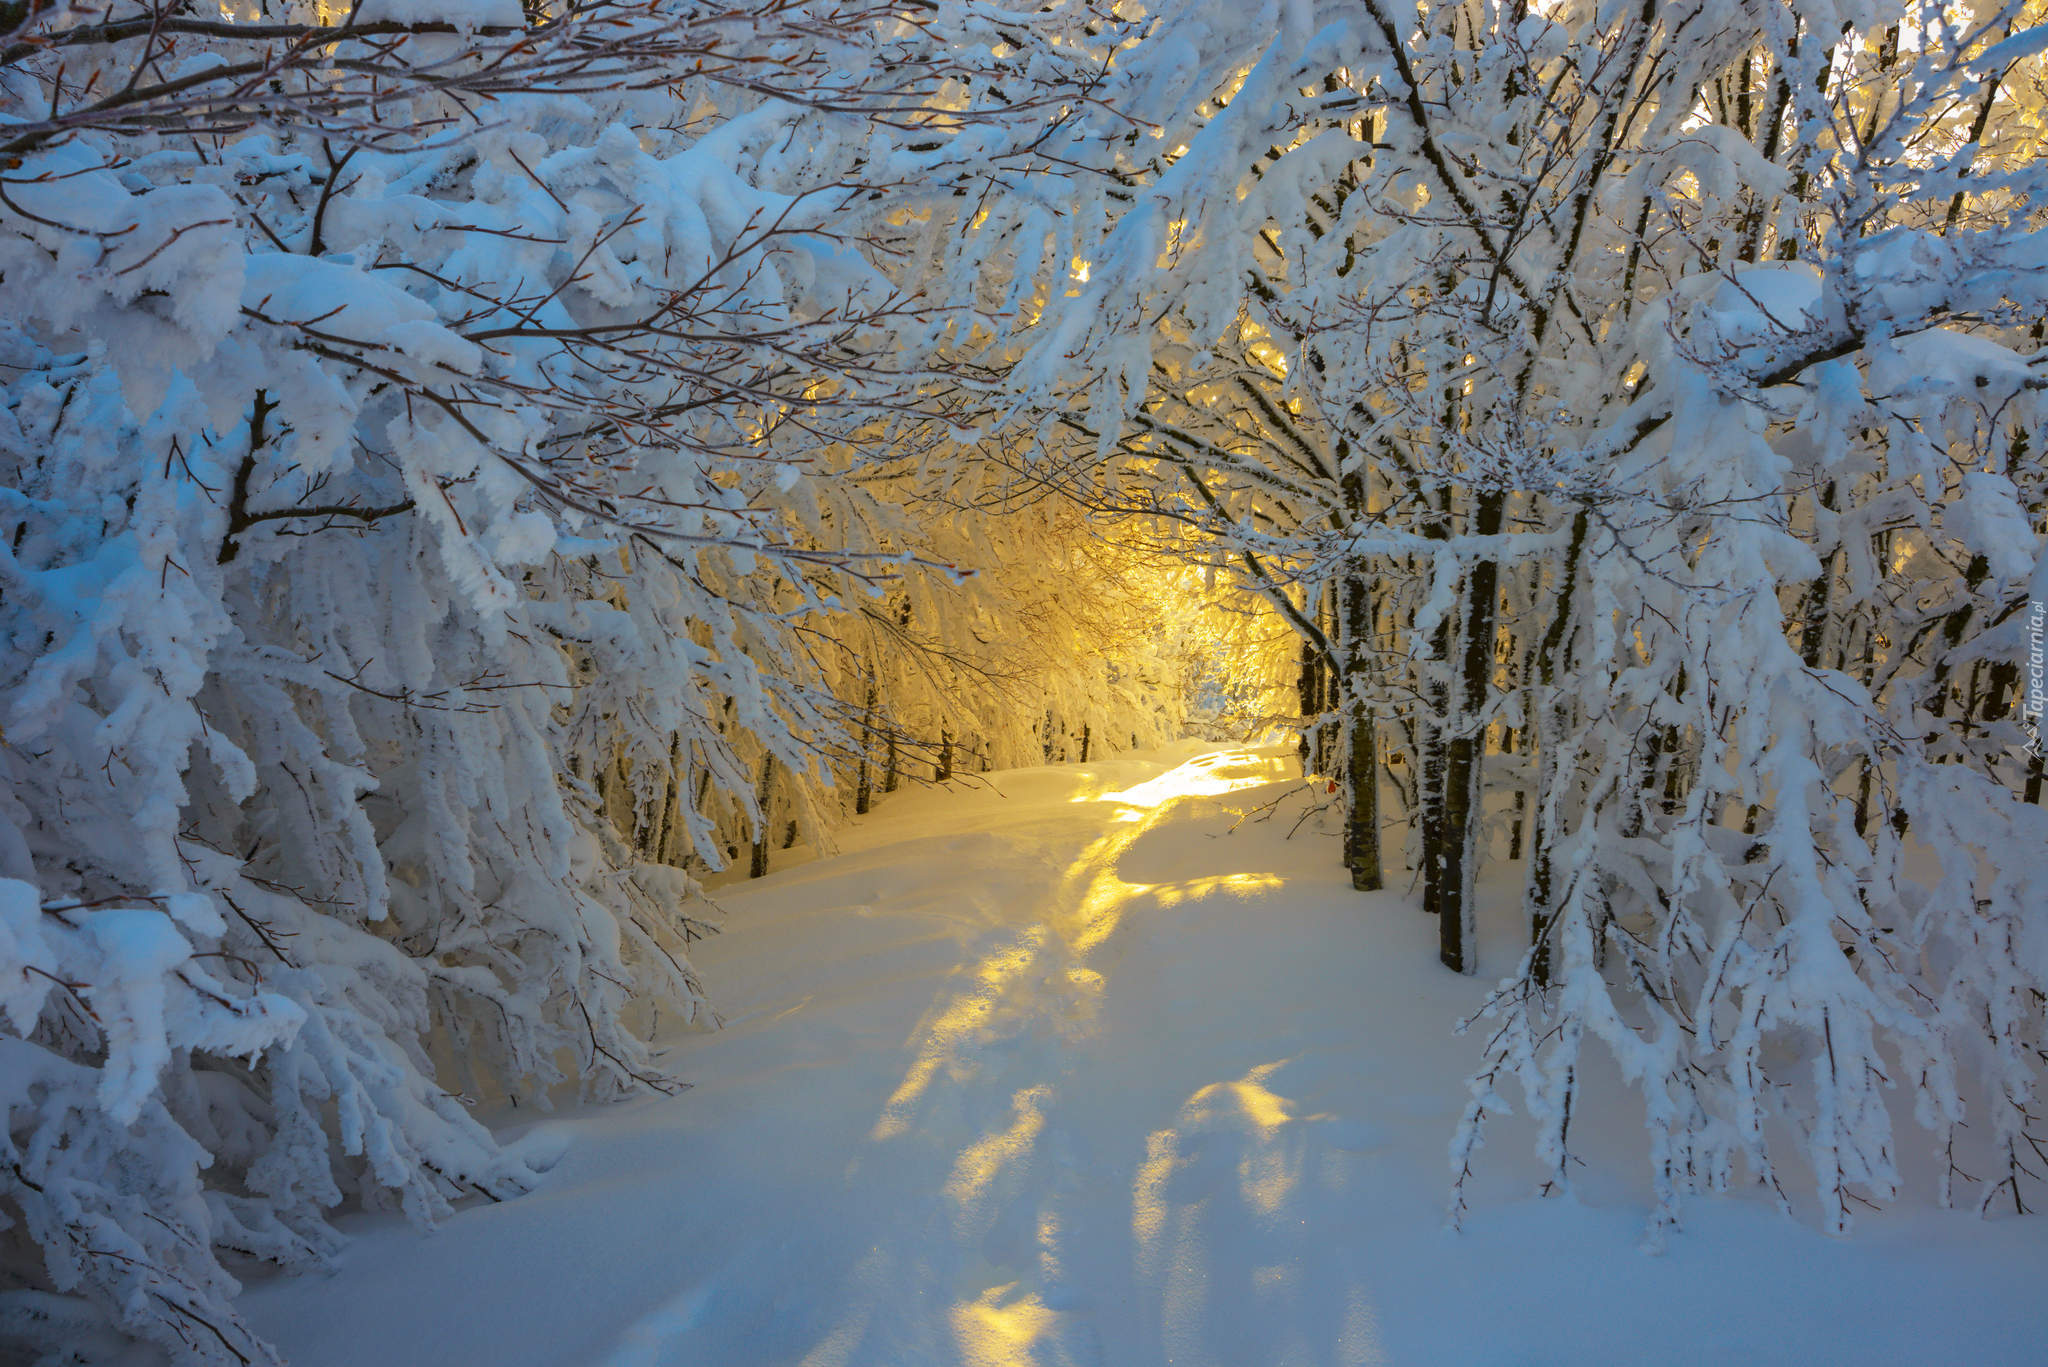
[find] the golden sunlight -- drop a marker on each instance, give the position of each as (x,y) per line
(994,1333)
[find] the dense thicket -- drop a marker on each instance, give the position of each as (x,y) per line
(472,470)
(1636,411)
(467,473)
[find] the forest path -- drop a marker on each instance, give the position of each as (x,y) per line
(1057,1067)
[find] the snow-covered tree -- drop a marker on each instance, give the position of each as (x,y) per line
(434,438)
(1684,362)
(470,471)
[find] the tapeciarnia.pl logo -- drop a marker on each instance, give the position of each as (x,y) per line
(2037,678)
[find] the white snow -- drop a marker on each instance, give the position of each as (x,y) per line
(1053,1067)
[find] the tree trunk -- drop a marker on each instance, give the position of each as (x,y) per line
(1462,765)
(863,787)
(1456,856)
(764,797)
(1361,741)
(1429,737)
(1308,687)
(1540,893)
(1329,688)
(1521,798)
(1429,797)
(1550,719)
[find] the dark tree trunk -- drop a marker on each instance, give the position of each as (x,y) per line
(1330,689)
(1456,856)
(1429,801)
(1431,756)
(1361,742)
(1308,687)
(1520,809)
(1430,735)
(863,787)
(1813,624)
(764,798)
(1541,894)
(1465,753)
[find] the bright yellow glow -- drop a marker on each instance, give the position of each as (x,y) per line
(1176,236)
(1208,776)
(1259,346)
(1079,270)
(1265,1175)
(1249,1095)
(1194,889)
(994,1334)
(1267,1172)
(1097,897)
(1001,1327)
(962,1016)
(1101,907)
(980,1162)
(1148,1200)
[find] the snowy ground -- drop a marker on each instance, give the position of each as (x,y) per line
(1059,1071)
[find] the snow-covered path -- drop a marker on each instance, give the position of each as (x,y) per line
(1059,1069)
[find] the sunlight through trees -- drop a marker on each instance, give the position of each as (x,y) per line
(476,471)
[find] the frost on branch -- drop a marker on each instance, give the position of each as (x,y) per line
(1636,416)
(443,454)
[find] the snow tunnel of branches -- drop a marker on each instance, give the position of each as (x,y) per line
(479,474)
